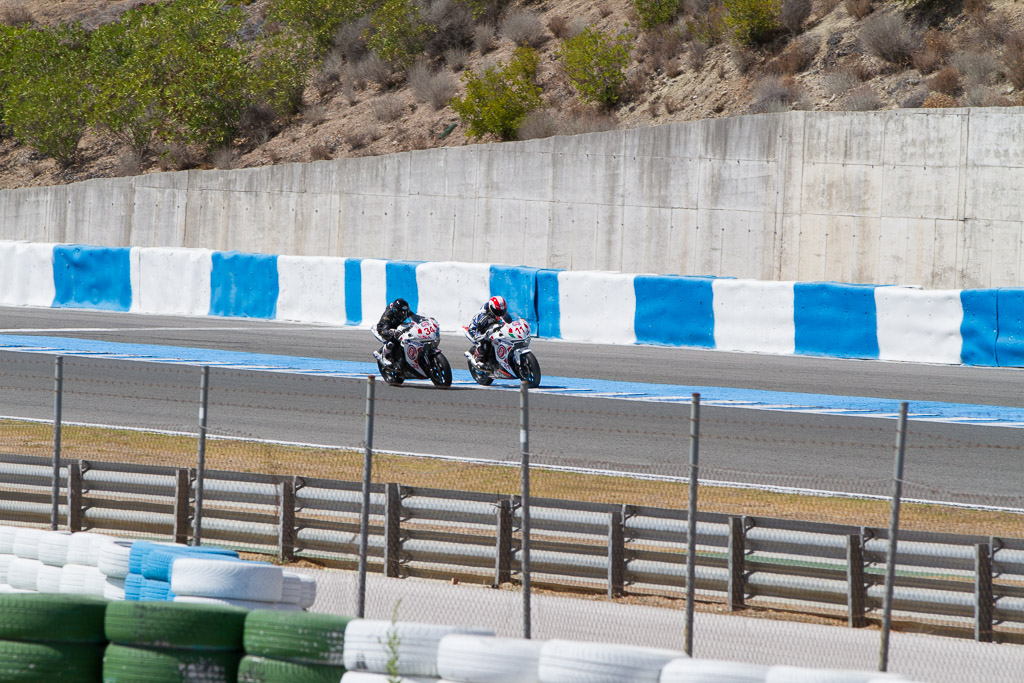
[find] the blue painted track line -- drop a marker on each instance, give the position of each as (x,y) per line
(752,399)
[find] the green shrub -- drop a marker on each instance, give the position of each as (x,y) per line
(318,19)
(709,28)
(44,102)
(595,63)
(397,33)
(174,71)
(752,21)
(279,69)
(654,13)
(498,100)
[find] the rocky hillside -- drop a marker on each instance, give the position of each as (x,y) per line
(825,55)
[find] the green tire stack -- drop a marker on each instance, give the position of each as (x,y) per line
(51,637)
(168,642)
(293,647)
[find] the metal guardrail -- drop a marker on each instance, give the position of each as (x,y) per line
(974,584)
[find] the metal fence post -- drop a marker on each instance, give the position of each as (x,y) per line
(58,395)
(75,496)
(503,544)
(364,512)
(392,530)
(524,447)
(737,561)
(691,523)
(894,525)
(204,396)
(856,589)
(286,521)
(182,496)
(616,555)
(983,595)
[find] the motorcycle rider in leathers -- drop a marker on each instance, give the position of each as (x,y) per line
(391,320)
(493,312)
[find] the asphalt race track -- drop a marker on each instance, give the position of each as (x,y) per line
(956,462)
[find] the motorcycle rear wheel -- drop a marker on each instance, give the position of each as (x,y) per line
(441,371)
(392,377)
(529,370)
(479,376)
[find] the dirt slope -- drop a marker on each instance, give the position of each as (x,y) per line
(969,55)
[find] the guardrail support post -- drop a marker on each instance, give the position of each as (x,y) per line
(364,509)
(616,555)
(392,529)
(691,525)
(182,495)
(856,589)
(204,400)
(984,603)
(737,569)
(894,529)
(75,496)
(286,521)
(503,544)
(58,395)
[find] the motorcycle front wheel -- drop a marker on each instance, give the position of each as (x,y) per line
(529,370)
(479,376)
(440,371)
(392,377)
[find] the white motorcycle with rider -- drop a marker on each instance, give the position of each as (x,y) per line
(501,346)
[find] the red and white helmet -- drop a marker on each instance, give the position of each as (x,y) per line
(496,306)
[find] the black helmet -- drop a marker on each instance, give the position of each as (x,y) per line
(401,307)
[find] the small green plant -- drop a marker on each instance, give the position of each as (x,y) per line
(654,13)
(595,63)
(279,70)
(397,33)
(393,646)
(498,100)
(752,21)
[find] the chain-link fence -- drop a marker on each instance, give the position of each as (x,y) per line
(782,554)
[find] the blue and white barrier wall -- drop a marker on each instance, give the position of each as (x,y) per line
(972,327)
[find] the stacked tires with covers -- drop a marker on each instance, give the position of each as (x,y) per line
(293,647)
(163,642)
(46,638)
(410,649)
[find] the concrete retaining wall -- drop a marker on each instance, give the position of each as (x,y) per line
(973,327)
(925,197)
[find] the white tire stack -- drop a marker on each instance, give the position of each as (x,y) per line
(794,674)
(53,548)
(686,670)
(7,534)
(366,677)
(84,548)
(230,602)
(23,573)
(26,543)
(48,579)
(465,658)
(112,559)
(256,586)
(82,579)
(416,646)
(564,661)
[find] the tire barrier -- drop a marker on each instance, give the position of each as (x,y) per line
(686,670)
(480,659)
(62,638)
(262,670)
(564,661)
(204,578)
(183,627)
(297,637)
(370,644)
(970,327)
(125,664)
(45,638)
